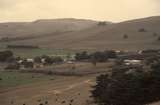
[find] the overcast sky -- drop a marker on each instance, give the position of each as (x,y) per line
(109,10)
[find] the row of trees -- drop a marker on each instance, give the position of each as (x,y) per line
(95,56)
(47,59)
(128,86)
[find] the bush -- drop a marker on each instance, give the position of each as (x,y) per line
(102,23)
(99,57)
(110,54)
(82,56)
(142,30)
(57,60)
(27,64)
(37,59)
(155,34)
(125,36)
(5,55)
(14,66)
(50,73)
(126,86)
(48,60)
(158,38)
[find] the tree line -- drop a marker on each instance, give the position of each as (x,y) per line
(99,56)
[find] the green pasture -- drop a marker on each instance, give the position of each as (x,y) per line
(12,79)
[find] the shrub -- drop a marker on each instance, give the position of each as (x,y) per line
(99,57)
(14,66)
(27,64)
(48,60)
(5,55)
(103,23)
(37,59)
(57,60)
(155,34)
(110,54)
(125,36)
(82,56)
(142,30)
(158,38)
(50,73)
(46,102)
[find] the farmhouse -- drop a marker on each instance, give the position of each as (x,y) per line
(132,62)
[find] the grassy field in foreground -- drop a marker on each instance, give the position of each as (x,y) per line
(12,79)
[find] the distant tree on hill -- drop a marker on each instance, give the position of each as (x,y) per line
(142,30)
(125,36)
(158,38)
(155,34)
(103,23)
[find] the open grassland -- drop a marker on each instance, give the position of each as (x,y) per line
(12,79)
(16,78)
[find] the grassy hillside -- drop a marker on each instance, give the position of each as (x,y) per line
(141,34)
(42,27)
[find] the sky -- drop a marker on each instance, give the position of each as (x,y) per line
(105,10)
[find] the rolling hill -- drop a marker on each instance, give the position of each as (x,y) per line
(43,27)
(86,34)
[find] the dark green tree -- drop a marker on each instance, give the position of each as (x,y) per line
(126,86)
(5,55)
